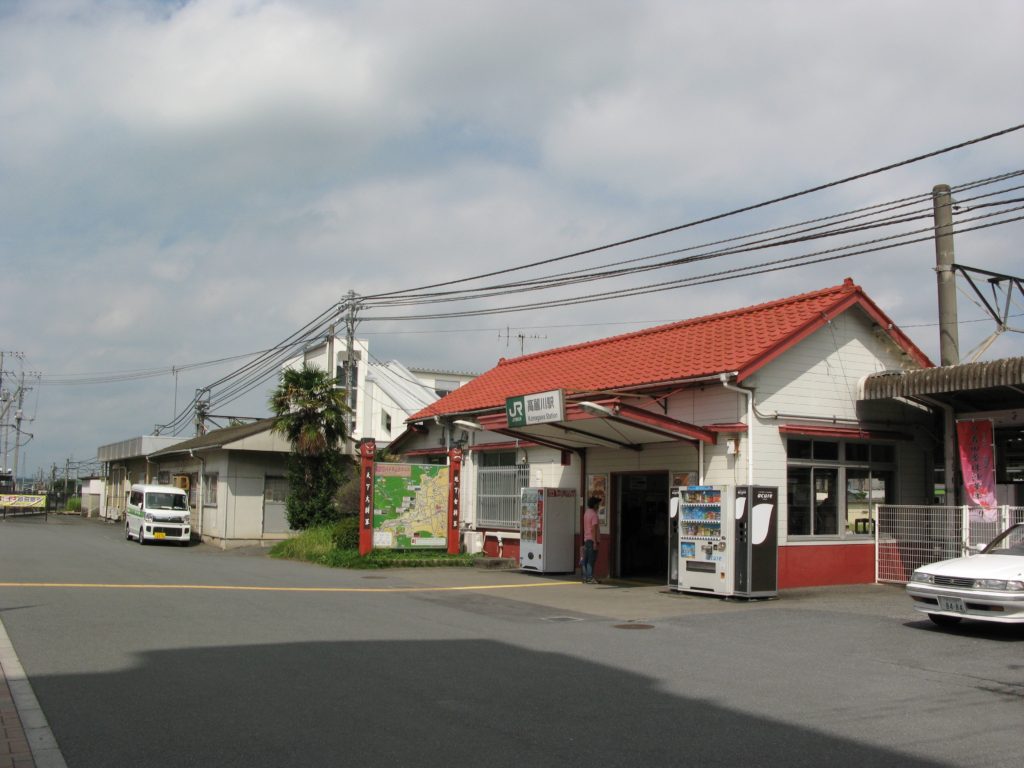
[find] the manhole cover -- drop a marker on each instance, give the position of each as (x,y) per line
(562,618)
(633,626)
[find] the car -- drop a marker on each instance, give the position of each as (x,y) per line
(988,586)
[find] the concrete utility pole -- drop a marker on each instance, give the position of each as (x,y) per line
(350,340)
(18,415)
(949,338)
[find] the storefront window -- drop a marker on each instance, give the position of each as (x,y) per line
(836,498)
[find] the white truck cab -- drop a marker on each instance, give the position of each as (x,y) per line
(158,513)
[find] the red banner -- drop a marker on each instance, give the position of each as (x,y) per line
(367,452)
(977,462)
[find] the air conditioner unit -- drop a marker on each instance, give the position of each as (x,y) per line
(181,481)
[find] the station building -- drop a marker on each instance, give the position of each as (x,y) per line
(763,395)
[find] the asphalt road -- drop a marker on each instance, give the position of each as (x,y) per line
(166,656)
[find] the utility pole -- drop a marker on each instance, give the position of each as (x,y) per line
(202,410)
(350,340)
(18,415)
(949,339)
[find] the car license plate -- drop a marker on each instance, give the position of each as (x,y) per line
(159,535)
(954,604)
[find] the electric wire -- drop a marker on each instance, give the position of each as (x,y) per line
(720,216)
(569,278)
(740,271)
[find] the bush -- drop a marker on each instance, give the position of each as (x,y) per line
(345,533)
(74,504)
(337,546)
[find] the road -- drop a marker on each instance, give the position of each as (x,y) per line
(166,656)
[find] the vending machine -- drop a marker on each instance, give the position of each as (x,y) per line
(547,530)
(726,540)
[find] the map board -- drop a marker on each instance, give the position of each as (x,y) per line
(410,506)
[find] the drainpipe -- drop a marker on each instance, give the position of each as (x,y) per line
(199,503)
(724,378)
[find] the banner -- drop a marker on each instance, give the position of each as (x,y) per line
(22,501)
(977,463)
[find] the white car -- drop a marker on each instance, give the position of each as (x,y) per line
(988,586)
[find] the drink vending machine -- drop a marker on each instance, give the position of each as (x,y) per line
(547,530)
(725,540)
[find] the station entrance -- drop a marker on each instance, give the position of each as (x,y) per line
(640,520)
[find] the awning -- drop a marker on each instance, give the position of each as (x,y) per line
(995,385)
(845,433)
(606,423)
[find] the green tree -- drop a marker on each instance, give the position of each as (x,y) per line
(310,411)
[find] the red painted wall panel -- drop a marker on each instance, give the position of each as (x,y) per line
(825,565)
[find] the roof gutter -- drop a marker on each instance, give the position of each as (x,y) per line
(724,378)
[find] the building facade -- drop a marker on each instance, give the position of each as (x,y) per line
(764,395)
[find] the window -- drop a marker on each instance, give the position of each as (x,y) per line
(385,422)
(210,490)
(835,497)
(498,483)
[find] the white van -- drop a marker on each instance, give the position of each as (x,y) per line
(158,512)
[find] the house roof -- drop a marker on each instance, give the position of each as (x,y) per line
(399,383)
(219,438)
(739,342)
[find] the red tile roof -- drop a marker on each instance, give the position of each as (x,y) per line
(741,341)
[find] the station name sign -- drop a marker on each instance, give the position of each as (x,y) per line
(538,408)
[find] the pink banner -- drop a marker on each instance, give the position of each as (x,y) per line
(977,462)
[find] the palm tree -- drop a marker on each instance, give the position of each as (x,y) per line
(310,411)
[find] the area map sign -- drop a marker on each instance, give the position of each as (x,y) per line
(410,506)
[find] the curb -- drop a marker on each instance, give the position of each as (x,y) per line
(26,736)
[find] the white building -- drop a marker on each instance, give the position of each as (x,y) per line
(763,395)
(384,394)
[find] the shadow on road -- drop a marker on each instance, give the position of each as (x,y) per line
(410,703)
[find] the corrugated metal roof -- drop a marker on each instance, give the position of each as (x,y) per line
(993,374)
(399,383)
(220,437)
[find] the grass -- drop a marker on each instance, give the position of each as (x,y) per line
(316,545)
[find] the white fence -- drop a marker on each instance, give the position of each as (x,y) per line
(907,537)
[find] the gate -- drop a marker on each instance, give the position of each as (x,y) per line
(908,536)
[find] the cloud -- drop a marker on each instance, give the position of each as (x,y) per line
(187,181)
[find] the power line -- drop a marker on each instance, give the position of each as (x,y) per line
(716,217)
(746,271)
(797,235)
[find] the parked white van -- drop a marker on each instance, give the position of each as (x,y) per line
(158,512)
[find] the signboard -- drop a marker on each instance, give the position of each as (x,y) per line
(410,506)
(538,408)
(22,501)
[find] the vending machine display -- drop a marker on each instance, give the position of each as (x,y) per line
(725,540)
(547,530)
(702,543)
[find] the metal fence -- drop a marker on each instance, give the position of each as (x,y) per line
(497,495)
(907,537)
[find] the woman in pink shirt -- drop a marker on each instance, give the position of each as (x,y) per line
(591,535)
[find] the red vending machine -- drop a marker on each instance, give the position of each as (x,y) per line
(547,527)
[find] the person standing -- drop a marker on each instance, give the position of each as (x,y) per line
(591,536)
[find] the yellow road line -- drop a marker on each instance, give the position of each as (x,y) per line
(480,587)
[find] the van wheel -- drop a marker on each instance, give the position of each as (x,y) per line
(142,537)
(127,532)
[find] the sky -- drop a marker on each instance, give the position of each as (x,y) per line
(190,182)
